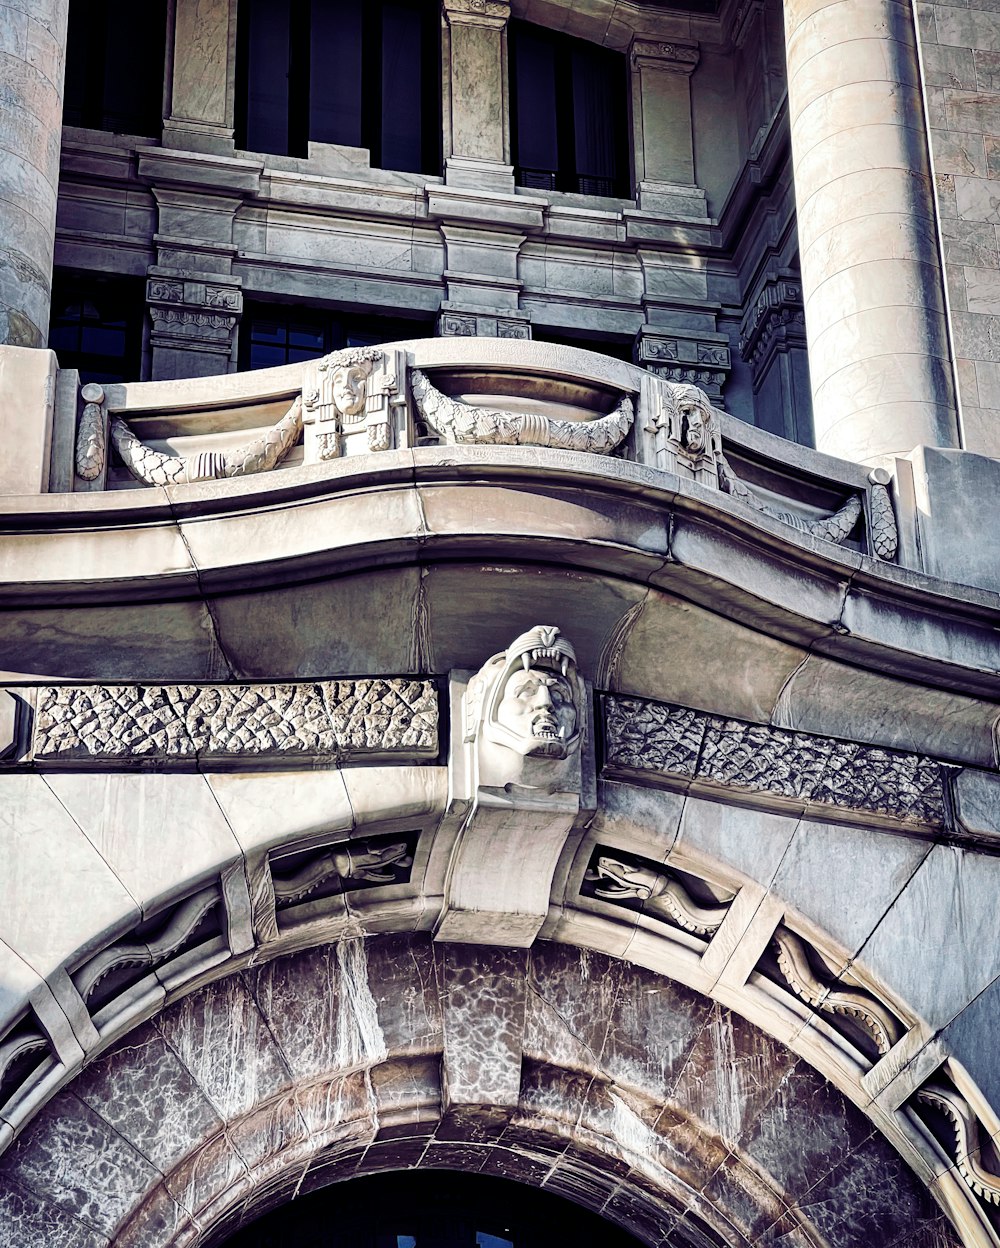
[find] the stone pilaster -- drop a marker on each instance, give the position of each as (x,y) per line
(879,355)
(661,118)
(194,299)
(773,343)
(203,76)
(32,63)
(476,125)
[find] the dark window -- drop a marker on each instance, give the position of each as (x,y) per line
(114,65)
(276,333)
(361,73)
(569,125)
(96,326)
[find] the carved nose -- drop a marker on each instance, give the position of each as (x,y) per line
(542,697)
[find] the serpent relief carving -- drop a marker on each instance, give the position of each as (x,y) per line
(261,455)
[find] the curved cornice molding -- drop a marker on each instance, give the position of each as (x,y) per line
(605,517)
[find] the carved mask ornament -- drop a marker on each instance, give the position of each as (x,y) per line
(530,698)
(348,388)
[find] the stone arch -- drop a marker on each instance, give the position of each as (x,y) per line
(560,1067)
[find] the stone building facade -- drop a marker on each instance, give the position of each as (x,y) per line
(500,626)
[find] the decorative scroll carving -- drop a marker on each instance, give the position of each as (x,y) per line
(885,535)
(967,1151)
(350,718)
(459,422)
(148,953)
(348,866)
(776,319)
(260,455)
(862,1007)
(617,878)
(834,528)
(688,745)
(90,439)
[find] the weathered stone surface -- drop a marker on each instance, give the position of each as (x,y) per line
(341,718)
(647,736)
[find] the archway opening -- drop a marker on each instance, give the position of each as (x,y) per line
(430,1209)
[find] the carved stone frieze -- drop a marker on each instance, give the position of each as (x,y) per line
(91,443)
(459,422)
(875,1019)
(155,468)
(777,318)
(685,430)
(681,58)
(966,1148)
(192,323)
(772,763)
(625,879)
(337,718)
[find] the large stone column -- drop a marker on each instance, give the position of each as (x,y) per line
(32,61)
(871,277)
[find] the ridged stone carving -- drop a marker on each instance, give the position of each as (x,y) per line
(621,878)
(334,717)
(967,1151)
(870,1014)
(647,736)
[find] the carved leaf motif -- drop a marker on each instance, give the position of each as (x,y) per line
(833,528)
(459,422)
(90,446)
(885,537)
(793,961)
(155,468)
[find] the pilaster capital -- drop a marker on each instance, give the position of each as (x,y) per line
(671,55)
(495,13)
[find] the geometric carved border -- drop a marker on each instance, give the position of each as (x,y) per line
(691,747)
(345,719)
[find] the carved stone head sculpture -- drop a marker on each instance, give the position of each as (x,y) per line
(526,706)
(699,424)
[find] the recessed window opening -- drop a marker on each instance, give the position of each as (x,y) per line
(281,333)
(114,66)
(569,124)
(358,73)
(96,325)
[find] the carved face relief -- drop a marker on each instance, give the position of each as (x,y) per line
(348,388)
(538,706)
(530,698)
(696,419)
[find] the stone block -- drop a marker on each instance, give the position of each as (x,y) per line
(27,387)
(955,490)
(983,291)
(948,66)
(939,944)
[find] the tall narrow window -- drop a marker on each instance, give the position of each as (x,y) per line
(361,73)
(568,110)
(114,65)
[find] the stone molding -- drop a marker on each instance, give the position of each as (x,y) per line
(677,57)
(341,719)
(688,747)
(776,321)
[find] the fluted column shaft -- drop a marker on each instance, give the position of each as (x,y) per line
(871,276)
(32,63)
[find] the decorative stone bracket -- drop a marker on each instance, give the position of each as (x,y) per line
(521,775)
